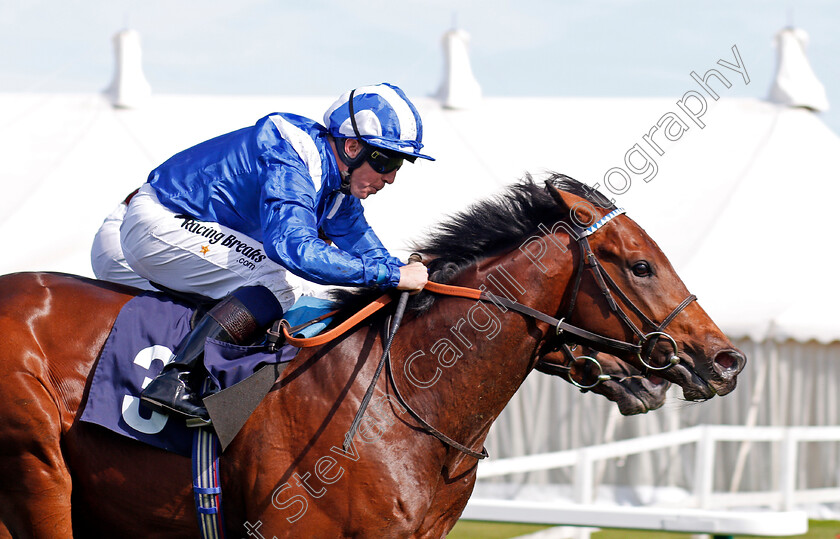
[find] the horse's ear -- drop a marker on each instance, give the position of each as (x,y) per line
(582,211)
(565,200)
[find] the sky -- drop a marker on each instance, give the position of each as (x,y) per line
(632,48)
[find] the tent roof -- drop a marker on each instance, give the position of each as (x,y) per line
(737,205)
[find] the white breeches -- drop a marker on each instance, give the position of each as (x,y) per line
(146,241)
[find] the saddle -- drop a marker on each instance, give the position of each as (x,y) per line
(147,330)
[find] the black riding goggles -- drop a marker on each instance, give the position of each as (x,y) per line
(382,162)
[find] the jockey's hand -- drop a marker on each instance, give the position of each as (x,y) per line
(413,277)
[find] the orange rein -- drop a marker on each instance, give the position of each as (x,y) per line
(369,309)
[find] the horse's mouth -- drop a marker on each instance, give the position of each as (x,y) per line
(635,396)
(627,399)
(694,386)
(704,377)
(650,396)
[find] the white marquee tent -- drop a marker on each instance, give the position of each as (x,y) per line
(742,207)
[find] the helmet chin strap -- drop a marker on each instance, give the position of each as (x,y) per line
(345,181)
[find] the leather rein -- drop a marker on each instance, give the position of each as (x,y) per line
(562,329)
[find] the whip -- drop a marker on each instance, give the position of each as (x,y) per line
(395,325)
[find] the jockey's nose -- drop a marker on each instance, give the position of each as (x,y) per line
(390,177)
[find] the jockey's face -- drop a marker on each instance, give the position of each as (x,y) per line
(364,181)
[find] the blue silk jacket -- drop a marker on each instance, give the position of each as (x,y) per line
(278,182)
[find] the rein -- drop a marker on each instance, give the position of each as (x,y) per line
(569,332)
(386,356)
(560,325)
(423,423)
(468,293)
(339,330)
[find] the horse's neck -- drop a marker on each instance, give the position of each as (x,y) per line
(457,365)
(463,360)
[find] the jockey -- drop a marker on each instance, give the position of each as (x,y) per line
(230,217)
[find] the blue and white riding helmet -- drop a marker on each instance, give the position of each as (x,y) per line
(383,117)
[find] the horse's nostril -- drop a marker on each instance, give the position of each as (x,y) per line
(728,363)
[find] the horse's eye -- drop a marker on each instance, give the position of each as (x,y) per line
(641,269)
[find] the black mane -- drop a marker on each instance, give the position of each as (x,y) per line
(486,228)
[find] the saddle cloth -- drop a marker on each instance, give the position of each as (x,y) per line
(146,331)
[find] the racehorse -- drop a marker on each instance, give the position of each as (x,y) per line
(608,376)
(410,470)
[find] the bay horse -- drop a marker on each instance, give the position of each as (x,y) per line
(455,363)
(608,376)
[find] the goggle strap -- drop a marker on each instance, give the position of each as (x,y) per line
(354,162)
(345,182)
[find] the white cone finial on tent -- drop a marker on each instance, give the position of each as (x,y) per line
(796,85)
(459,89)
(129,89)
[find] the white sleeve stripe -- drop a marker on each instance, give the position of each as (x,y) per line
(303,145)
(336,205)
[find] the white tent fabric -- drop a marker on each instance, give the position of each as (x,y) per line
(740,206)
(743,208)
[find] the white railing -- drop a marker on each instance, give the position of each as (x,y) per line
(586,517)
(705,437)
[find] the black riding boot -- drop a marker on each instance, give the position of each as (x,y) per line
(230,321)
(171,391)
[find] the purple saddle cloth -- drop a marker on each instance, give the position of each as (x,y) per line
(146,331)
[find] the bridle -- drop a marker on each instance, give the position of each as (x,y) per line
(608,287)
(565,370)
(606,284)
(562,329)
(570,333)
